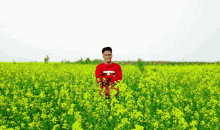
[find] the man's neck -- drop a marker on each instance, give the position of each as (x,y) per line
(108,63)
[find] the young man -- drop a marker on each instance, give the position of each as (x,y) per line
(110,71)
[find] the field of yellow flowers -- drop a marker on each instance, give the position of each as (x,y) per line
(65,96)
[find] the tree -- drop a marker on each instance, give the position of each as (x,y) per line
(87,61)
(46,59)
(65,61)
(80,61)
(96,61)
(68,61)
(140,65)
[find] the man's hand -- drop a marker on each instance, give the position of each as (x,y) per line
(108,81)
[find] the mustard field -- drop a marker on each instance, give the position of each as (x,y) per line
(64,96)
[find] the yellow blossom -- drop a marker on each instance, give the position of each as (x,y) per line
(76,126)
(31,125)
(54,120)
(56,126)
(193,123)
(65,126)
(125,121)
(22,125)
(138,127)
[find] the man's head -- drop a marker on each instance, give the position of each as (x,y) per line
(107,55)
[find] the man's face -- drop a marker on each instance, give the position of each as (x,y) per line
(107,55)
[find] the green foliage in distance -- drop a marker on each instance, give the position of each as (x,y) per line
(80,61)
(88,61)
(140,65)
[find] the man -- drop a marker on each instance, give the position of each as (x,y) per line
(110,71)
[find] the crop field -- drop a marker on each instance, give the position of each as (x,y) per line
(65,96)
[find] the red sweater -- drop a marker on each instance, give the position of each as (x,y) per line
(107,72)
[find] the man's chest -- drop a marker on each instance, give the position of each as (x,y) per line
(108,73)
(108,76)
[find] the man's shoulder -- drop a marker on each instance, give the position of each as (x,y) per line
(103,64)
(99,65)
(117,64)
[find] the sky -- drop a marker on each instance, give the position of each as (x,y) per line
(159,30)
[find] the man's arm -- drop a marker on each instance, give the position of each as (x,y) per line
(118,75)
(99,75)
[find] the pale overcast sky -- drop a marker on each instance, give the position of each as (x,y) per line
(153,30)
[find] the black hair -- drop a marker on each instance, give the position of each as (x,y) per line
(106,49)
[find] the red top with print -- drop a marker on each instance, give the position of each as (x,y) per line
(111,73)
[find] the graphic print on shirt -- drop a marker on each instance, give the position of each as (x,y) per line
(107,74)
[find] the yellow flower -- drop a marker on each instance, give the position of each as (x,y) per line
(183,123)
(202,123)
(138,127)
(159,112)
(156,124)
(78,116)
(31,125)
(43,116)
(215,119)
(85,96)
(8,109)
(196,115)
(26,118)
(3,127)
(70,111)
(14,109)
(193,128)
(65,126)
(178,113)
(64,114)
(76,126)
(90,126)
(31,105)
(54,120)
(17,128)
(12,122)
(137,114)
(113,92)
(55,126)
(10,129)
(119,127)
(162,126)
(110,117)
(87,103)
(193,123)
(42,95)
(63,105)
(72,105)
(22,125)
(125,121)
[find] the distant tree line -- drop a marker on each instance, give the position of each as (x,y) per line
(87,61)
(138,63)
